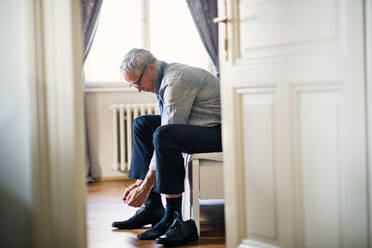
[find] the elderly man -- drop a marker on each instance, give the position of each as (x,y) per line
(189,122)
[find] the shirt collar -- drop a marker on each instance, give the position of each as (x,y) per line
(157,81)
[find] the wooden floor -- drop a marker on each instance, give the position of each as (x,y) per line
(104,205)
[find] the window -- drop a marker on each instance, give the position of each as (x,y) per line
(165,27)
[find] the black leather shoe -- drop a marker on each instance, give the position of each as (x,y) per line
(179,233)
(160,228)
(142,218)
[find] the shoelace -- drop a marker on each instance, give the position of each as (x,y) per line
(175,226)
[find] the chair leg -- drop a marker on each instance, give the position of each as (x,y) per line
(187,195)
(195,193)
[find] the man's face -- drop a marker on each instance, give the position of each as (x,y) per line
(142,81)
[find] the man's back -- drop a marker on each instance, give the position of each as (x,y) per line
(191,96)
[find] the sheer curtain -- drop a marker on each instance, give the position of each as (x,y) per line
(203,12)
(90,14)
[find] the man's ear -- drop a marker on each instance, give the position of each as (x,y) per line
(152,67)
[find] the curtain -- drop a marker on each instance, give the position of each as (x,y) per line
(203,12)
(90,14)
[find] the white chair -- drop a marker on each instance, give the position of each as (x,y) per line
(204,180)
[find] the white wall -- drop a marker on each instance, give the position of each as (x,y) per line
(15,134)
(99,119)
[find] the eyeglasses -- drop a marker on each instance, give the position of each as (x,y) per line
(137,84)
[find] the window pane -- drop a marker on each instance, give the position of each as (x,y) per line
(118,31)
(173,35)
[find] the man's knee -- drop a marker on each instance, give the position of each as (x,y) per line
(163,135)
(139,123)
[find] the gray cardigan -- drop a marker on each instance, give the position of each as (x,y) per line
(190,96)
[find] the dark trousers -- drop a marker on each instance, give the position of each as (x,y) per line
(169,142)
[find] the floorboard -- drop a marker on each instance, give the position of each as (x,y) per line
(104,205)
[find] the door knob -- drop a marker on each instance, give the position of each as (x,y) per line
(222,19)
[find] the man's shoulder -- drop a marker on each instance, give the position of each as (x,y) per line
(179,66)
(183,72)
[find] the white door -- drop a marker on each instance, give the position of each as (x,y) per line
(294,136)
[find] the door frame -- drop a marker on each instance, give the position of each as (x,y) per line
(56,110)
(234,215)
(368,65)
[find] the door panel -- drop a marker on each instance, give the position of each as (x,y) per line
(279,25)
(294,123)
(259,169)
(318,169)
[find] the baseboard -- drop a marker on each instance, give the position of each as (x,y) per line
(115,178)
(255,244)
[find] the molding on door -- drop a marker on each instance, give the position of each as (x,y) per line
(58,155)
(368,64)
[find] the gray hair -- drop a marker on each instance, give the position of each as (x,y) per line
(136,59)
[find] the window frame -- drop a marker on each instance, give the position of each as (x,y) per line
(108,86)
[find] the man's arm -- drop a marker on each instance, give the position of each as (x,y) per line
(152,165)
(179,98)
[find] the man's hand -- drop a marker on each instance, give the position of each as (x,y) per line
(130,188)
(136,194)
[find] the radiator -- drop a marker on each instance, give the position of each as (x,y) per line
(122,120)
